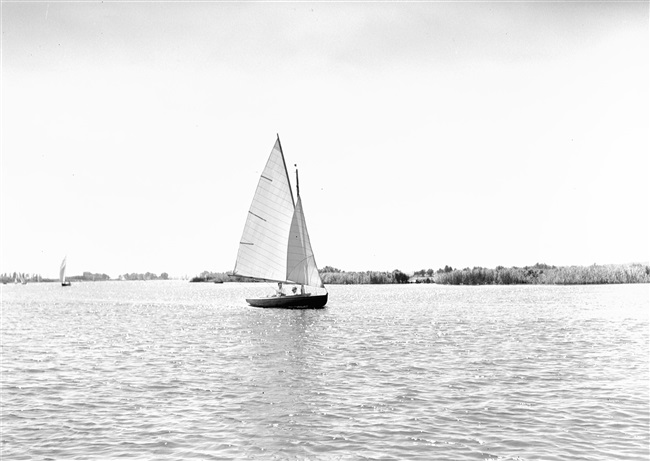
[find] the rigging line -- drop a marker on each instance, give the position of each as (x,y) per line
(303,260)
(317,271)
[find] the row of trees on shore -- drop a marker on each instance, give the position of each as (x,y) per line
(145,276)
(19,277)
(541,274)
(329,275)
(333,276)
(529,275)
(217,277)
(36,278)
(89,277)
(85,277)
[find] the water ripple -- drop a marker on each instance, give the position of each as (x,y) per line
(171,370)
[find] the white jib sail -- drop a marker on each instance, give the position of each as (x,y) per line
(301,265)
(263,247)
(62,270)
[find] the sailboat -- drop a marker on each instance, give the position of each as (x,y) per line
(64,283)
(275,245)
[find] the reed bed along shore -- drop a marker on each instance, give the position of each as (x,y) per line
(571,275)
(541,274)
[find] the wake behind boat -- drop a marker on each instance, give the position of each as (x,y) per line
(275,245)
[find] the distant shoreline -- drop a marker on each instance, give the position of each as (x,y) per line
(548,275)
(539,274)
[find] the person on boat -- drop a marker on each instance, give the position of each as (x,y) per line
(279,291)
(302,289)
(293,290)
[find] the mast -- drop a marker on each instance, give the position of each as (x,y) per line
(285,168)
(297,182)
(301,265)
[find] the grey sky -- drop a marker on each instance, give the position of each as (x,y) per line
(427,134)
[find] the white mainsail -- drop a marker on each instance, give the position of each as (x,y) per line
(62,270)
(275,245)
(263,247)
(301,265)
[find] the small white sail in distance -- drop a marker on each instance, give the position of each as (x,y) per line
(62,269)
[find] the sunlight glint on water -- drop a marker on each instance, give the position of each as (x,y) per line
(173,370)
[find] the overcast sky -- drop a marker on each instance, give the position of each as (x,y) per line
(427,134)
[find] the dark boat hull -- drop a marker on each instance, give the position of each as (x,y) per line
(308,301)
(65,284)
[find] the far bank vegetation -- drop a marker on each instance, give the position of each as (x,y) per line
(540,274)
(329,275)
(543,274)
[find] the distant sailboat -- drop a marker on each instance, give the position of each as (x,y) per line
(64,283)
(275,245)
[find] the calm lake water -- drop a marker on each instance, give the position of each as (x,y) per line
(174,370)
